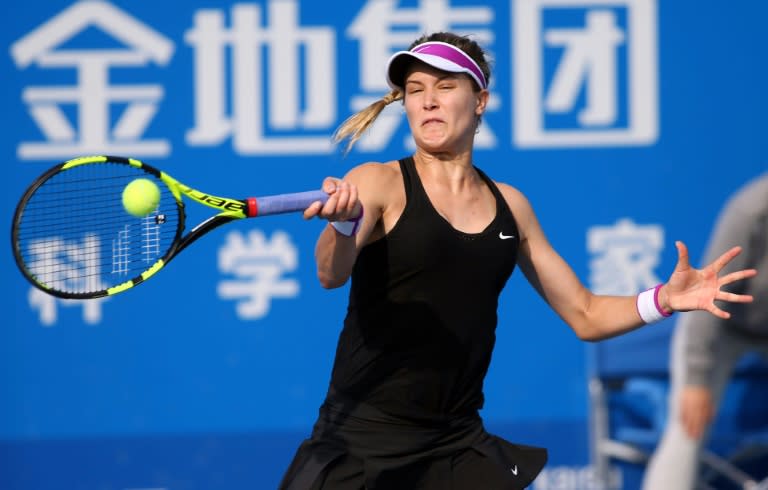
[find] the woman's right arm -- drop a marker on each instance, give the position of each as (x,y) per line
(363,190)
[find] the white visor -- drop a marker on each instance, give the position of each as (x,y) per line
(443,56)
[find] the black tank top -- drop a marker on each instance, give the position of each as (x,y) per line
(421,320)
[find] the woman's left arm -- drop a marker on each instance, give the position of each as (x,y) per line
(597,317)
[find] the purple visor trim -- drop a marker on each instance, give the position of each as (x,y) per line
(454,55)
(436,54)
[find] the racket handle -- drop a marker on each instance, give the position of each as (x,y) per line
(287,203)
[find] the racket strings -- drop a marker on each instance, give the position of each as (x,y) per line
(87,203)
(74,235)
(94,222)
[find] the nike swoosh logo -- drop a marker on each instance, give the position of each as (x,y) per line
(505,237)
(514,470)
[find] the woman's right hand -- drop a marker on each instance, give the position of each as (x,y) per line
(342,205)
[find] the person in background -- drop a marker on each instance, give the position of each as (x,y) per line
(705,348)
(429,242)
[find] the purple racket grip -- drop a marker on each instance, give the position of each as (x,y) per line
(288,203)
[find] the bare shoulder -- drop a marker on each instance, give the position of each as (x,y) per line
(514,197)
(376,177)
(375,170)
(380,184)
(382,191)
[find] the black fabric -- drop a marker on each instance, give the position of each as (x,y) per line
(421,321)
(355,446)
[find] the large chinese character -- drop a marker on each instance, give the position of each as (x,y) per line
(383,28)
(59,262)
(585,73)
(589,59)
(93,95)
(294,55)
(48,307)
(258,265)
(626,256)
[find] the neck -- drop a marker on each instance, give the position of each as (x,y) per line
(454,171)
(462,159)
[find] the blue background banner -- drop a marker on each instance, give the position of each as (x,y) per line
(627,123)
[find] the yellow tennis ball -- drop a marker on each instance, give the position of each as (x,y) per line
(141,197)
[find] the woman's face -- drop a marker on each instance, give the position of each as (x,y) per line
(442,108)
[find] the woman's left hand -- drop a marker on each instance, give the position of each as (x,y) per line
(698,289)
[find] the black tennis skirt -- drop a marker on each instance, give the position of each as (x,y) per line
(354,446)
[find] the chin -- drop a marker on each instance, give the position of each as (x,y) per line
(432,144)
(433,148)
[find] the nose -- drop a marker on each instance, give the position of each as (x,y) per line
(430,99)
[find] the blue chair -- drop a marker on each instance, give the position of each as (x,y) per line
(628,394)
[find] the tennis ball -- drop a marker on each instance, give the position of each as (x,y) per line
(141,197)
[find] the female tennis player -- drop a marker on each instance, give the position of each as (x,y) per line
(429,242)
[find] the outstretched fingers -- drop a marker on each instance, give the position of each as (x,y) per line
(683,262)
(690,288)
(736,276)
(718,312)
(733,297)
(726,257)
(728,279)
(733,277)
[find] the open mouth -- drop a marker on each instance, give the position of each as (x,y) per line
(431,121)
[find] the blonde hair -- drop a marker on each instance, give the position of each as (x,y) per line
(354,126)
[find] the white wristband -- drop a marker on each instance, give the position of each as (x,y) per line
(648,306)
(349,227)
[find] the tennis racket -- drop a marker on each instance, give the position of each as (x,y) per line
(73,238)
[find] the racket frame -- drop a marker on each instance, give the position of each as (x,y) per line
(229,210)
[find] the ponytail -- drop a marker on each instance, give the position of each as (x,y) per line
(354,127)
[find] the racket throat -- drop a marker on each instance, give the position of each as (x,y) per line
(251,207)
